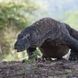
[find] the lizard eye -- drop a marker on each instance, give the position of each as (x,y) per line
(26,36)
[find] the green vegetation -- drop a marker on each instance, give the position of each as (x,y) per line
(72,18)
(14,16)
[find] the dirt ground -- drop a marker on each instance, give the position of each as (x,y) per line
(39,69)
